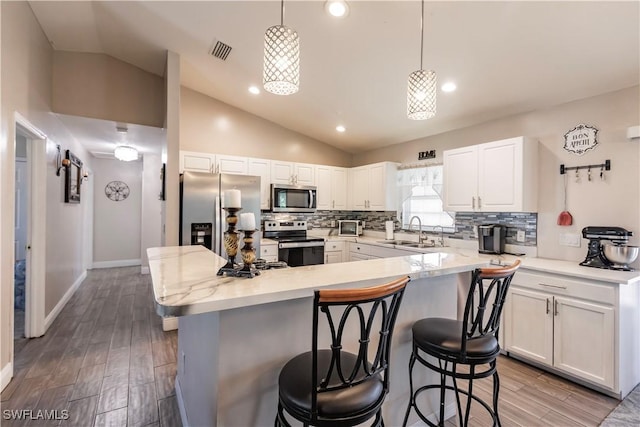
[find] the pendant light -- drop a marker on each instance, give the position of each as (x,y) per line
(421,88)
(281,73)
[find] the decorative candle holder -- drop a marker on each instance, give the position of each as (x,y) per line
(248,255)
(230,242)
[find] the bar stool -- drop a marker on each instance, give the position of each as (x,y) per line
(335,387)
(472,342)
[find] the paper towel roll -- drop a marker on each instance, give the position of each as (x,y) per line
(388,228)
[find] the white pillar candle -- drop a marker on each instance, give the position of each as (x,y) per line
(247,221)
(232,199)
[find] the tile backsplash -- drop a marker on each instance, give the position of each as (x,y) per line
(465,222)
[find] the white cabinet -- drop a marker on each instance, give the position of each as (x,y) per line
(332,183)
(497,176)
(361,251)
(262,168)
(334,252)
(269,251)
(293,173)
(197,162)
(212,163)
(564,324)
(373,187)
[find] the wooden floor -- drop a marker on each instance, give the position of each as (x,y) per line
(107,361)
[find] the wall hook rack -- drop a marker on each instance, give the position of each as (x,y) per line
(606,165)
(60,162)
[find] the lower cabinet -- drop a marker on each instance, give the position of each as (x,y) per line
(362,251)
(333,252)
(564,324)
(269,251)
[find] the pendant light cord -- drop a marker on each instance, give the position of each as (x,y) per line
(421,34)
(282,13)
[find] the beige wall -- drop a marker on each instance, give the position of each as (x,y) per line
(26,88)
(99,86)
(614,201)
(208,125)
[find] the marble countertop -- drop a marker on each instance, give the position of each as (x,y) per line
(554,266)
(185,282)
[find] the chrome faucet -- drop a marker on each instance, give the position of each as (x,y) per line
(419,227)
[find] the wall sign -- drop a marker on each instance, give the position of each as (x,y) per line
(431,154)
(581,139)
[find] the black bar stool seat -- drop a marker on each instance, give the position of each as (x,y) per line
(330,386)
(463,349)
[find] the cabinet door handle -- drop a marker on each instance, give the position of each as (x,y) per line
(552,286)
(333,204)
(473,202)
(479,202)
(547,305)
(555,307)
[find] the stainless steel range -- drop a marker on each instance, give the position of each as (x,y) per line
(294,246)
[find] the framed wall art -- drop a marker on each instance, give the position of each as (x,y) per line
(73,179)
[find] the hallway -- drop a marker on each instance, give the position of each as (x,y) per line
(105,359)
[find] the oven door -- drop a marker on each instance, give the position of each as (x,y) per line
(296,254)
(293,198)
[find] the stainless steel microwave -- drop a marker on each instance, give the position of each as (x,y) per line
(293,198)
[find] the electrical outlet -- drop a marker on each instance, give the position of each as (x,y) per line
(570,239)
(333,224)
(520,236)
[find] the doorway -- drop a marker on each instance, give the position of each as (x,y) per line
(21,224)
(30,231)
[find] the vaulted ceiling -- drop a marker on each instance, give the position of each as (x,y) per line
(506,57)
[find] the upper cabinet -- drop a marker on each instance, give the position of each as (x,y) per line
(262,168)
(293,173)
(212,163)
(373,187)
(497,176)
(332,183)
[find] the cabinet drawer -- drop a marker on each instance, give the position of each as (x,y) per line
(333,246)
(268,251)
(560,285)
(360,248)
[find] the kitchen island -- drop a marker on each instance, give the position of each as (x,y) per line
(234,334)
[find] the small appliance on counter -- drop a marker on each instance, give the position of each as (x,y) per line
(349,228)
(491,238)
(607,248)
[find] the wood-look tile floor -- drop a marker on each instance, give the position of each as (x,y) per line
(107,362)
(105,359)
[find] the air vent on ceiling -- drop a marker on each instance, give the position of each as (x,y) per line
(220,50)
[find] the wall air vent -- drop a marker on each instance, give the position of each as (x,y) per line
(220,50)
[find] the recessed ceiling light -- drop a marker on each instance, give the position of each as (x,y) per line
(254,90)
(448,87)
(340,128)
(337,8)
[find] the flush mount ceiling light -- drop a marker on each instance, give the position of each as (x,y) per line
(421,90)
(448,87)
(126,153)
(281,72)
(337,8)
(254,90)
(341,128)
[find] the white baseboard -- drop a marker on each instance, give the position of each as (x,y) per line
(117,263)
(144,270)
(63,301)
(169,323)
(183,413)
(5,375)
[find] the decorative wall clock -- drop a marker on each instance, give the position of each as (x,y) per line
(116,191)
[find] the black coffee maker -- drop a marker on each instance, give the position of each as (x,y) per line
(491,238)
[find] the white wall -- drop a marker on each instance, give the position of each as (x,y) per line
(26,77)
(151,224)
(116,225)
(613,201)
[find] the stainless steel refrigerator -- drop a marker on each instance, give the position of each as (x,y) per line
(202,219)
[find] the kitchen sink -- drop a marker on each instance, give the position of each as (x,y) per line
(397,242)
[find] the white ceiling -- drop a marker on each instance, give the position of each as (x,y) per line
(506,57)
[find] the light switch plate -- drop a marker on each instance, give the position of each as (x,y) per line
(570,239)
(520,236)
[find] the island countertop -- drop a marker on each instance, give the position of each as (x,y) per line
(185,281)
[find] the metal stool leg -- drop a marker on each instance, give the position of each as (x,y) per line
(412,362)
(496,391)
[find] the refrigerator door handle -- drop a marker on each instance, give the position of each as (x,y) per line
(217,245)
